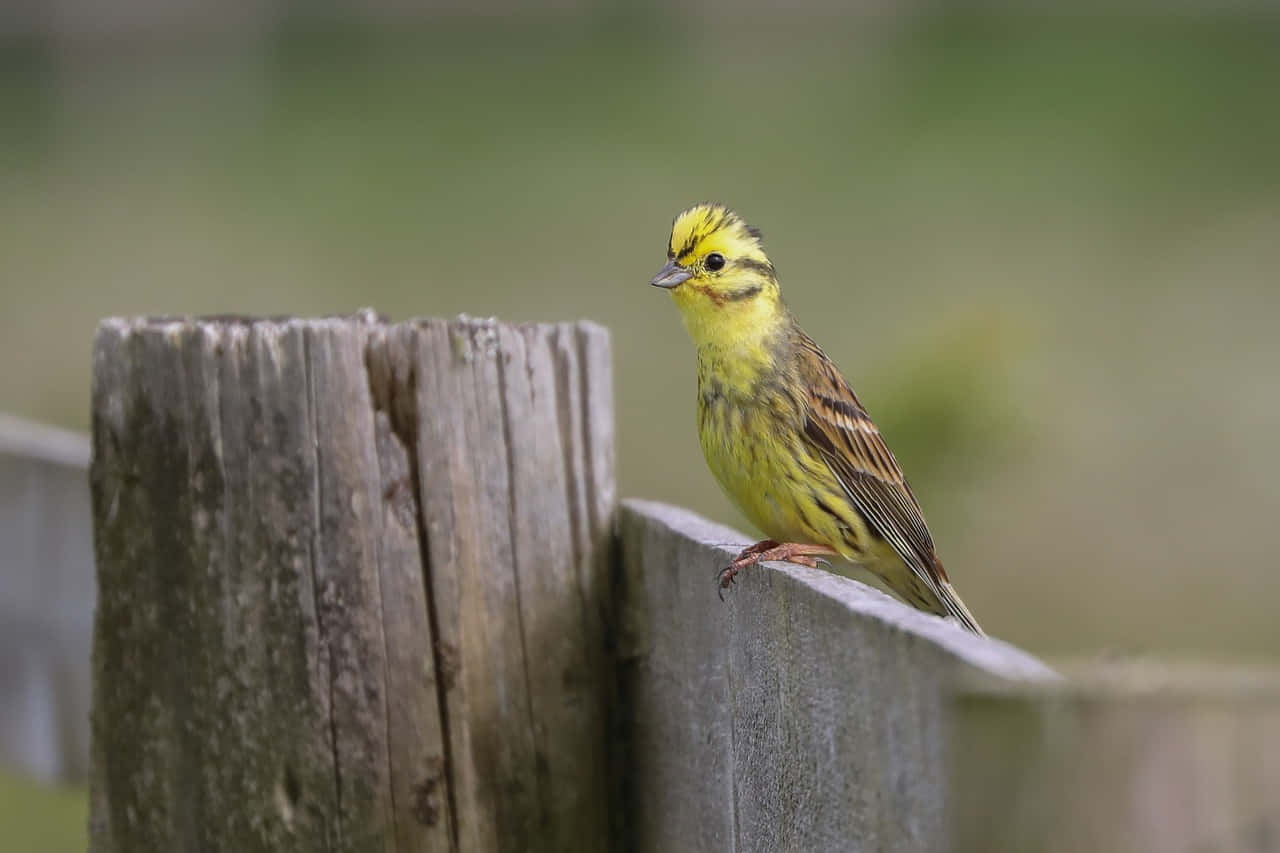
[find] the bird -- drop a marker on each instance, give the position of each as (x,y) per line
(783,432)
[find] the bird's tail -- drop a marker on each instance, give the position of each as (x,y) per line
(956,610)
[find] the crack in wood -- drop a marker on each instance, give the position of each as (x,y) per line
(394,397)
(317,589)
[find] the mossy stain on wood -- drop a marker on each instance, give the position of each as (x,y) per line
(427,794)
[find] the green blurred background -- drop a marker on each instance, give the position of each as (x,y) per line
(1044,247)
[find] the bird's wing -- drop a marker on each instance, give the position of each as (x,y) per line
(855,451)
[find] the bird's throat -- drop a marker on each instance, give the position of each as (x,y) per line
(739,356)
(717,320)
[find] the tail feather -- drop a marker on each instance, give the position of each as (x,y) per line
(956,609)
(932,593)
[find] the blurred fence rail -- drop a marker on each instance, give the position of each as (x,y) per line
(47,593)
(1139,757)
(365,586)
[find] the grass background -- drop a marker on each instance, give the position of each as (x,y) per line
(1043,247)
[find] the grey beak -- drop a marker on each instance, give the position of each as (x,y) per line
(672,275)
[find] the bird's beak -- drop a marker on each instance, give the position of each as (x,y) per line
(672,275)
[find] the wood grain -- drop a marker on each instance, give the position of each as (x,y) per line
(353,579)
(806,712)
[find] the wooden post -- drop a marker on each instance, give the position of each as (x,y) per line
(353,585)
(1134,758)
(46,601)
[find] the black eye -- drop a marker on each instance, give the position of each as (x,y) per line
(715,261)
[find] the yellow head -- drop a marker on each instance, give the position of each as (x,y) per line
(719,276)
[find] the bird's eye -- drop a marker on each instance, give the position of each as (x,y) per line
(715,261)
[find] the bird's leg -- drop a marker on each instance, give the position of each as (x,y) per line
(745,555)
(758,548)
(724,577)
(769,549)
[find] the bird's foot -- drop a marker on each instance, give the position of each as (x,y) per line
(770,549)
(746,557)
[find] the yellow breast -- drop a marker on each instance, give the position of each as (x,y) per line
(751,448)
(754,446)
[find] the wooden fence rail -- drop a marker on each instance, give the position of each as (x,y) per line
(806,713)
(47,596)
(365,586)
(1120,757)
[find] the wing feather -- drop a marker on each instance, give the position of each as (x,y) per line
(855,451)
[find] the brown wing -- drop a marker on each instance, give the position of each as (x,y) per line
(853,448)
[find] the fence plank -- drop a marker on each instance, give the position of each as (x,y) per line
(804,713)
(47,595)
(1124,757)
(348,570)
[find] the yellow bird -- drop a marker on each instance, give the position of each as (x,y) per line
(782,430)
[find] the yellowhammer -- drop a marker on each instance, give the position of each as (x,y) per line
(782,430)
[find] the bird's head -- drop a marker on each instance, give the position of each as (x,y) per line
(718,274)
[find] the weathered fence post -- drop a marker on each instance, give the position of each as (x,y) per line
(1140,759)
(46,600)
(353,585)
